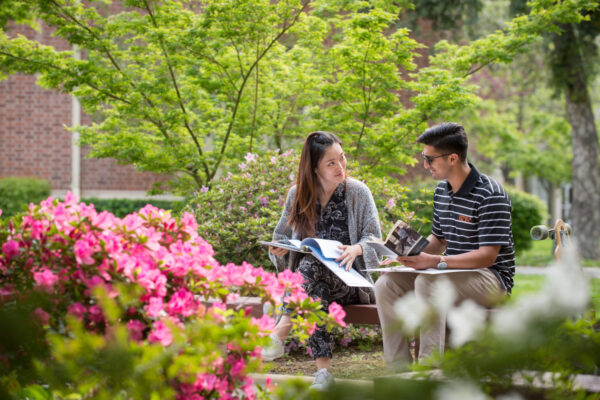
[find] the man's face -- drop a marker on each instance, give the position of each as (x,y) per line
(436,162)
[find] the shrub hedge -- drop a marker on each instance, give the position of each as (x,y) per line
(122,207)
(527,211)
(17,192)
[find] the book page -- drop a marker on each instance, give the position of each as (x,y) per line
(329,248)
(293,245)
(380,248)
(404,240)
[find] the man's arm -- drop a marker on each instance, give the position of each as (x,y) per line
(436,245)
(483,257)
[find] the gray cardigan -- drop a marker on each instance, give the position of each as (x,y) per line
(363,222)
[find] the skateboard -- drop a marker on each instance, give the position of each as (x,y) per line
(560,234)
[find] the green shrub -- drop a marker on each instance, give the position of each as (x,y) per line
(122,207)
(527,211)
(17,192)
(243,207)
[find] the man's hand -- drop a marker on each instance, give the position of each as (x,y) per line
(348,255)
(420,261)
(278,251)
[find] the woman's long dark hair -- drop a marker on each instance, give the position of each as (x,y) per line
(304,209)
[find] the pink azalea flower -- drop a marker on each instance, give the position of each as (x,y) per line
(237,367)
(204,189)
(273,160)
(250,157)
(42,316)
(10,249)
(77,309)
(287,153)
(103,220)
(390,204)
(136,329)
(265,323)
(242,166)
(160,333)
(95,314)
(84,250)
(7,290)
(264,201)
(45,279)
(70,198)
(155,307)
(182,302)
(338,313)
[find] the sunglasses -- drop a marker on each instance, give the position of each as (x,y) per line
(429,159)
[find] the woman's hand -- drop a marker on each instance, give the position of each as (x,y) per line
(278,251)
(349,253)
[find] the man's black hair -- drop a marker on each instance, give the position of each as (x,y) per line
(447,137)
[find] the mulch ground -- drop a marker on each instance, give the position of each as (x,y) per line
(347,363)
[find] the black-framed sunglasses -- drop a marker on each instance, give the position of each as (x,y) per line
(429,159)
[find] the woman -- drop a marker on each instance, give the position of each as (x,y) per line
(325,204)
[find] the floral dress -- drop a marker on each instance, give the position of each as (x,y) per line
(319,281)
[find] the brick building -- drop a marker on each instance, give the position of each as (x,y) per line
(35,142)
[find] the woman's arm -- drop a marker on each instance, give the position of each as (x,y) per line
(282,231)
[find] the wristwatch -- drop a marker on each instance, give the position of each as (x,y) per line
(442,264)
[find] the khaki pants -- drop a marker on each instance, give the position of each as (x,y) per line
(482,286)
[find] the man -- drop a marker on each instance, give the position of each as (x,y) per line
(471,229)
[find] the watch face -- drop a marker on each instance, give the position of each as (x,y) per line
(442,265)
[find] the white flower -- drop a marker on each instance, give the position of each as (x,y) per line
(465,322)
(460,390)
(412,311)
(564,294)
(566,284)
(443,295)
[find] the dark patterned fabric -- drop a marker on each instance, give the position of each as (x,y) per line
(319,281)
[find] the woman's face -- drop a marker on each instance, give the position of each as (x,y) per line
(331,169)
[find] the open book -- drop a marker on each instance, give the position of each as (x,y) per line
(326,251)
(401,241)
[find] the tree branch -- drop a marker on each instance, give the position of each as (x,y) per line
(176,86)
(245,78)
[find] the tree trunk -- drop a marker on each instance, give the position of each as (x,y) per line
(585,209)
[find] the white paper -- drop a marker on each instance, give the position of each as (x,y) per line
(428,271)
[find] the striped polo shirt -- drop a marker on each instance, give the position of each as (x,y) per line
(477,215)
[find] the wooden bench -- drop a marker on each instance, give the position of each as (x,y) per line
(355,313)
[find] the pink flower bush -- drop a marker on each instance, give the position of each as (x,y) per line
(68,250)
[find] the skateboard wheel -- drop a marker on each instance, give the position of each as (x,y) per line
(569,229)
(539,232)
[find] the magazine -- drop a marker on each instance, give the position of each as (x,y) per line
(325,251)
(401,241)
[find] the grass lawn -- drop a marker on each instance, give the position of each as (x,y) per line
(531,283)
(541,254)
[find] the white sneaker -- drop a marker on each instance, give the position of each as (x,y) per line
(323,379)
(273,350)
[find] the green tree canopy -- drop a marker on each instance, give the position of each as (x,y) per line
(178,86)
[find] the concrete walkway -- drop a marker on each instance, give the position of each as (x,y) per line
(592,272)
